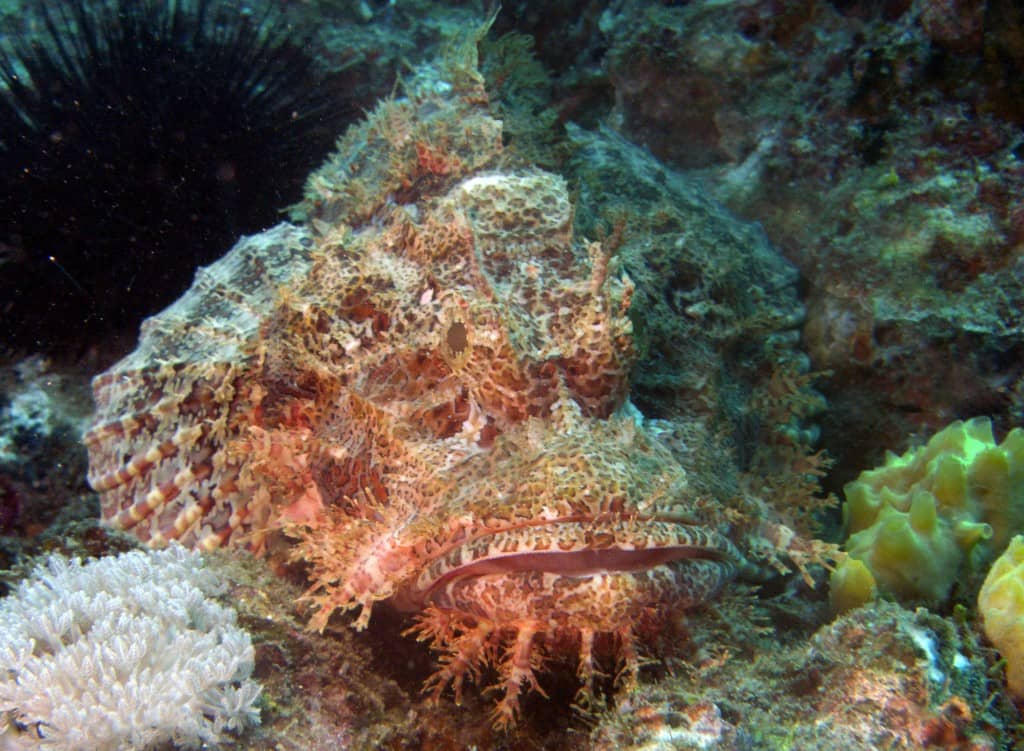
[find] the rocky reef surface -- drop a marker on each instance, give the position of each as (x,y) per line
(877,143)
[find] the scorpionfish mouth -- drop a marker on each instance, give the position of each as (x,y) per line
(603,548)
(580,581)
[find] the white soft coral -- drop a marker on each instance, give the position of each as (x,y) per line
(122,653)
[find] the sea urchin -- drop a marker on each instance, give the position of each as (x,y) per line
(139,138)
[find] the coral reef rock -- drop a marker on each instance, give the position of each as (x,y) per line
(421,394)
(877,677)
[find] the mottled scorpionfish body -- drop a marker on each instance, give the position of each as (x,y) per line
(422,395)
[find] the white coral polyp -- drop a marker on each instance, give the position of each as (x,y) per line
(122,653)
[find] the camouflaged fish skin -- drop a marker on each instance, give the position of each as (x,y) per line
(421,393)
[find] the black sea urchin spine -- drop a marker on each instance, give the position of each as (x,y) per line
(138,138)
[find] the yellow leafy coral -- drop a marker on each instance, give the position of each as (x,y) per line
(915,521)
(1001,605)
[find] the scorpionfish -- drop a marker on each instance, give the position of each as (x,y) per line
(420,391)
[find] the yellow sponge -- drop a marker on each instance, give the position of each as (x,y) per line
(852,585)
(915,520)
(1001,604)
